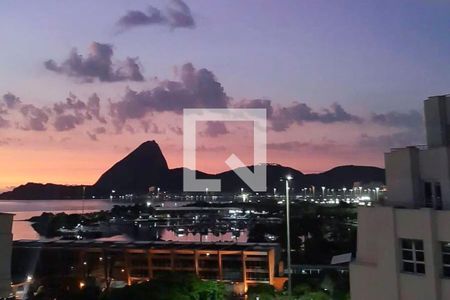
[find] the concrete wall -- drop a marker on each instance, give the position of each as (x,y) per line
(403,177)
(377,273)
(408,168)
(5,254)
(437,117)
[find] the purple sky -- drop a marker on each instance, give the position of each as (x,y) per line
(369,64)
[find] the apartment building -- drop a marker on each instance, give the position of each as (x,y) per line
(403,245)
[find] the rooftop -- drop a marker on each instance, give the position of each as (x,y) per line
(229,246)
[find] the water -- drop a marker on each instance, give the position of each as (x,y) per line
(25,209)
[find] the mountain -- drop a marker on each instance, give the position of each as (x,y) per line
(139,170)
(39,191)
(146,167)
(346,176)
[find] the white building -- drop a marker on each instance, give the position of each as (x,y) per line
(5,254)
(403,250)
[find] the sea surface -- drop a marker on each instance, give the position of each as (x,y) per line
(25,209)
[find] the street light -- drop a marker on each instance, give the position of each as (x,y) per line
(288,229)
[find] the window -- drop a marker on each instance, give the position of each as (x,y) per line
(445,248)
(438,195)
(413,256)
(432,195)
(428,195)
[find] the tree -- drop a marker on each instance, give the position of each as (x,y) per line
(169,287)
(315,296)
(261,292)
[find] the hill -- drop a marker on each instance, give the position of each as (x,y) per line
(146,166)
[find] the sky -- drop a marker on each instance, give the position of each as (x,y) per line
(83,83)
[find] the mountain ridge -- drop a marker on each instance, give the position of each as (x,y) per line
(146,166)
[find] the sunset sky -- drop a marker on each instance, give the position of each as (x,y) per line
(83,83)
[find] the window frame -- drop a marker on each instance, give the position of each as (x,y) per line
(443,254)
(417,246)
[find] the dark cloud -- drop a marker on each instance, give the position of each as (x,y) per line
(300,113)
(410,123)
(179,15)
(177,130)
(134,18)
(256,103)
(176,15)
(65,115)
(411,119)
(35,118)
(93,108)
(97,65)
(11,101)
(67,122)
(95,132)
(74,112)
(394,140)
(215,129)
(200,89)
(150,127)
(196,89)
(3,123)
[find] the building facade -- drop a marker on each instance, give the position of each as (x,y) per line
(5,254)
(241,264)
(403,245)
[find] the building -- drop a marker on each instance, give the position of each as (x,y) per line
(403,246)
(242,264)
(5,254)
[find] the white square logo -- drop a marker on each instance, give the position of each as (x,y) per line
(256,180)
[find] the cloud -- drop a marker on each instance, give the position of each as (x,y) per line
(204,148)
(95,132)
(150,127)
(256,103)
(8,141)
(97,65)
(11,101)
(195,89)
(324,146)
(35,118)
(286,146)
(215,129)
(74,112)
(410,124)
(394,140)
(176,15)
(199,88)
(411,119)
(3,123)
(177,130)
(299,113)
(179,15)
(67,122)
(93,108)
(134,18)
(64,115)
